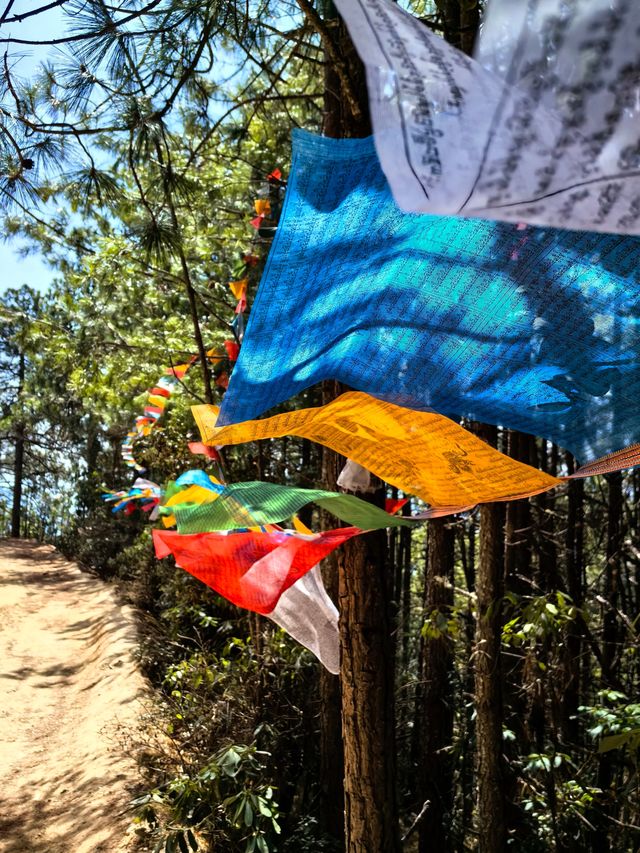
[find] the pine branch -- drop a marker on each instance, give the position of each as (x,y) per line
(24,15)
(102,31)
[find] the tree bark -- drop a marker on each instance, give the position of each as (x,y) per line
(435,765)
(490,807)
(371,817)
(18,459)
(331,752)
(600,837)
(574,541)
(18,473)
(367,665)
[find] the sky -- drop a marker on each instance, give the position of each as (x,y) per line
(14,269)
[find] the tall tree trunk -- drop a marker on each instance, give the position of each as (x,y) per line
(18,472)
(574,540)
(331,752)
(367,665)
(371,817)
(404,560)
(606,764)
(491,808)
(18,458)
(435,765)
(521,708)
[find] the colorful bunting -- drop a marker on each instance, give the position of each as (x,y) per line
(144,494)
(156,402)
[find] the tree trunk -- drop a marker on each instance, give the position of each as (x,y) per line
(18,460)
(367,671)
(521,708)
(574,540)
(331,752)
(404,559)
(435,765)
(371,817)
(600,838)
(18,470)
(491,811)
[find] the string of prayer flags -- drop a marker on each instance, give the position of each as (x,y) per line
(126,450)
(144,494)
(530,329)
(257,503)
(157,398)
(421,453)
(263,210)
(275,177)
(540,128)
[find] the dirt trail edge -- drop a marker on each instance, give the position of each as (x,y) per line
(69,692)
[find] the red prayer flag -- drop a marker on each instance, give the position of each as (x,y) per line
(392,506)
(250,569)
(233,350)
(198,448)
(157,391)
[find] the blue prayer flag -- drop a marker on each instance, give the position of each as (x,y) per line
(529,328)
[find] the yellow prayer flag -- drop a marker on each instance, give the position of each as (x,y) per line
(239,288)
(263,206)
(157,400)
(422,453)
(193,494)
(301,527)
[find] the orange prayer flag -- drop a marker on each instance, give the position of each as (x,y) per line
(239,288)
(263,206)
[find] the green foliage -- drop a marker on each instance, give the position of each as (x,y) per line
(307,835)
(538,617)
(615,723)
(228,797)
(442,624)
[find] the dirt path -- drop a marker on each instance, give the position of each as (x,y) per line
(68,689)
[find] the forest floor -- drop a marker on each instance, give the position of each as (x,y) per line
(70,698)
